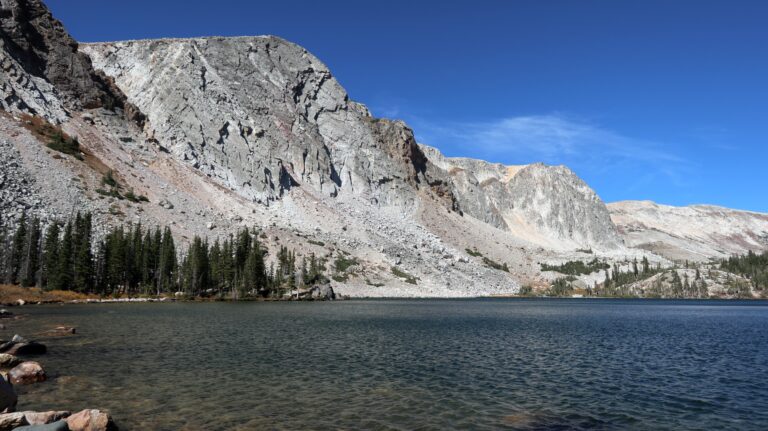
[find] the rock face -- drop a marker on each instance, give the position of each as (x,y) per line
(261,116)
(27,373)
(697,233)
(547,205)
(91,420)
(43,72)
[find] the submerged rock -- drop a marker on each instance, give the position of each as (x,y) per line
(42,418)
(62,330)
(27,373)
(55,426)
(91,420)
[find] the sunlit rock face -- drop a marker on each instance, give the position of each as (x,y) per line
(547,205)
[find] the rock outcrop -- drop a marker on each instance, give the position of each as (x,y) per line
(547,205)
(44,74)
(696,233)
(261,116)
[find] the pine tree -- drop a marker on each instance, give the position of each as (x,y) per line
(30,268)
(51,257)
(17,250)
(83,255)
(64,272)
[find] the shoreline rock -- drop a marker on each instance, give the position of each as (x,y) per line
(91,420)
(27,373)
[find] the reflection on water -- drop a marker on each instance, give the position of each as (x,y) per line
(421,364)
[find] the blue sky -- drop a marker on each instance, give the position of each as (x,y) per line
(660,100)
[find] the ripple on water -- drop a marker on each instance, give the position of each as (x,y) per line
(403,365)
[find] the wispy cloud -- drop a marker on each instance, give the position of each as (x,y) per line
(554,139)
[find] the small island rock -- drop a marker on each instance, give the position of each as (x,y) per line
(27,373)
(91,420)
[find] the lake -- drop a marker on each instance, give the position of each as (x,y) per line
(408,364)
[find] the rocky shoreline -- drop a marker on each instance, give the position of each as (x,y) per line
(19,366)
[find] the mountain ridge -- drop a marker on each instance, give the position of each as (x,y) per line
(224,132)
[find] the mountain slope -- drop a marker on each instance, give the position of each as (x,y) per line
(221,133)
(697,232)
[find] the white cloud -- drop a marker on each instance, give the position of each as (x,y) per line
(548,138)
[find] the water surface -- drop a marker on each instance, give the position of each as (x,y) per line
(409,364)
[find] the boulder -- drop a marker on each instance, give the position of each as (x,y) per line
(8,361)
(91,420)
(8,398)
(11,421)
(27,373)
(24,348)
(322,292)
(54,426)
(63,330)
(42,418)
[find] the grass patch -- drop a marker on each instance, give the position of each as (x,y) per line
(370,283)
(473,252)
(53,136)
(318,243)
(343,263)
(131,196)
(10,294)
(404,275)
(340,278)
(495,265)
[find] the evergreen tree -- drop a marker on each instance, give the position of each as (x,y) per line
(51,257)
(64,272)
(17,250)
(83,255)
(30,266)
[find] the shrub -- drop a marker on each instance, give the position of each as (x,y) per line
(343,263)
(404,275)
(473,252)
(495,265)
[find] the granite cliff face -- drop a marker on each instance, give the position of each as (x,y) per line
(696,233)
(546,205)
(261,115)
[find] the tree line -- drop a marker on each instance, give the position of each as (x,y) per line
(134,260)
(751,265)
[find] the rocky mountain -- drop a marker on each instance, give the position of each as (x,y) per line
(220,133)
(546,205)
(697,232)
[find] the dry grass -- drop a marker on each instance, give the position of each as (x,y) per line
(10,294)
